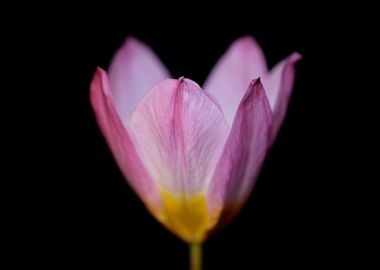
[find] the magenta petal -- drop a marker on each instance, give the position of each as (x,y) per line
(227,82)
(278,84)
(243,153)
(120,141)
(134,70)
(180,134)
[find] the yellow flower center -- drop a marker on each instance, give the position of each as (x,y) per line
(186,216)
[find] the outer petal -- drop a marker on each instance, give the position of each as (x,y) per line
(120,142)
(134,70)
(243,153)
(228,81)
(180,134)
(278,85)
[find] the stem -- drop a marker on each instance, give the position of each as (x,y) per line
(195,256)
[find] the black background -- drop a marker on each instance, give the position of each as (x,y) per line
(299,214)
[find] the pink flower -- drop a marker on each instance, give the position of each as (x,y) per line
(192,155)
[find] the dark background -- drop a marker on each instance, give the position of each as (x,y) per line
(300,214)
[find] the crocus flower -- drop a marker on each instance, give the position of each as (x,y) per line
(192,155)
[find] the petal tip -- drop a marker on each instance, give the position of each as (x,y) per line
(246,43)
(97,79)
(254,91)
(128,47)
(131,41)
(97,88)
(256,85)
(191,83)
(247,40)
(295,57)
(256,82)
(186,83)
(99,71)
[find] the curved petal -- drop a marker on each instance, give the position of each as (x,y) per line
(120,142)
(278,84)
(242,155)
(134,70)
(227,82)
(180,133)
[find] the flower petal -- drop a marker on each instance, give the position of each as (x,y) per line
(278,84)
(228,80)
(134,70)
(180,134)
(243,153)
(120,142)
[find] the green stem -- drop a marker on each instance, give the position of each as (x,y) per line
(195,256)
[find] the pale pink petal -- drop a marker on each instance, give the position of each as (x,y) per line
(180,134)
(243,154)
(228,80)
(134,70)
(278,84)
(120,142)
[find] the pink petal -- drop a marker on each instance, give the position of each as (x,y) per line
(243,153)
(278,84)
(180,134)
(135,69)
(120,141)
(228,80)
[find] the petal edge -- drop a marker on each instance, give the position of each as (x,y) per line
(278,84)
(120,142)
(134,70)
(243,154)
(227,82)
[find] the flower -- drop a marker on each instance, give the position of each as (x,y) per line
(192,155)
